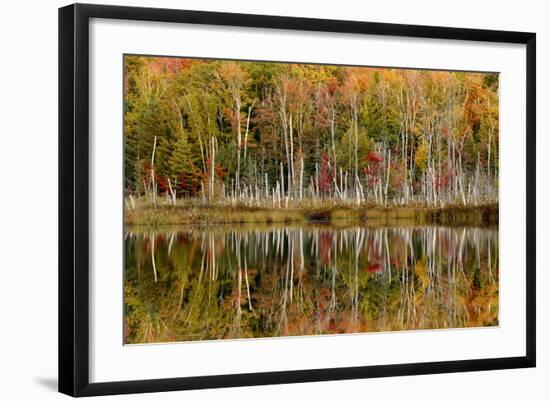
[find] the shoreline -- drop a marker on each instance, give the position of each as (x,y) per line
(453,215)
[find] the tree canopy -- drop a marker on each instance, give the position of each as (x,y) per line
(230,129)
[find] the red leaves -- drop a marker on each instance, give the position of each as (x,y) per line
(445,179)
(374,166)
(374,268)
(189,181)
(219,171)
(373,157)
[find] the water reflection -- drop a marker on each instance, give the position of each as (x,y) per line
(236,282)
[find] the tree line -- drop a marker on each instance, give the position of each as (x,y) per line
(276,134)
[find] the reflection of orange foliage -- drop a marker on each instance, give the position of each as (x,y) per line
(481,306)
(374,268)
(323,298)
(325,242)
(285,299)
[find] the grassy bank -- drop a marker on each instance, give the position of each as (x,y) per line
(208,214)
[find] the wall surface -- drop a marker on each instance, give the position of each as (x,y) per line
(28,199)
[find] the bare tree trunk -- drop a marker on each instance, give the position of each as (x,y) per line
(172,193)
(237,101)
(301,177)
(153,183)
(247,127)
(291,184)
(213,168)
(387,179)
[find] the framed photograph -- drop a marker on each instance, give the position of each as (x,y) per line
(250,199)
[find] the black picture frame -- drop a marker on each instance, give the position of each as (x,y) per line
(74,194)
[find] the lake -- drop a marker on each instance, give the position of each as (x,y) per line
(189,283)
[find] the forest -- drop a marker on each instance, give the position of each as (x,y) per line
(291,136)
(371,193)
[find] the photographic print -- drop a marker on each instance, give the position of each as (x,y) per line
(269,199)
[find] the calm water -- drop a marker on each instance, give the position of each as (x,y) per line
(238,282)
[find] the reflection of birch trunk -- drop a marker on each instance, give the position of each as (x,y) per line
(301,234)
(433,279)
(388,266)
(247,285)
(291,262)
(283,317)
(333,302)
(180,301)
(213,257)
(489,262)
(153,257)
(171,243)
(239,277)
(358,246)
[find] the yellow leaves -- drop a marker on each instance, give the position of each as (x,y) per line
(416,131)
(440,78)
(313,73)
(421,157)
(421,269)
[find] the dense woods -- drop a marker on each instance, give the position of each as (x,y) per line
(348,197)
(274,134)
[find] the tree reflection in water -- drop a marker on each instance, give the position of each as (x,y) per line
(220,282)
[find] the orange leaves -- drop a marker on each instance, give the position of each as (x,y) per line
(357,79)
(168,64)
(472,103)
(232,75)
